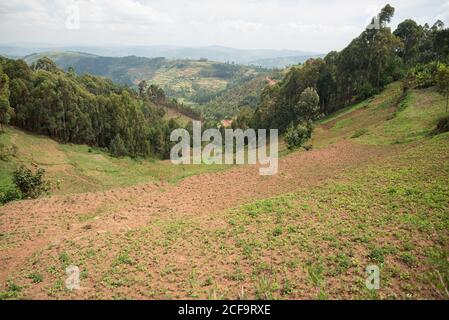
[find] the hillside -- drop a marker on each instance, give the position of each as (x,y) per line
(213,53)
(283,62)
(228,103)
(367,194)
(190,81)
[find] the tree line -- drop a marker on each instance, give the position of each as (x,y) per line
(374,59)
(82,109)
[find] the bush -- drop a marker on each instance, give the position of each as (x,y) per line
(297,136)
(10,195)
(358,133)
(443,125)
(6,152)
(30,184)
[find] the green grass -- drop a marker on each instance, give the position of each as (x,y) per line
(314,243)
(381,120)
(415,119)
(80,168)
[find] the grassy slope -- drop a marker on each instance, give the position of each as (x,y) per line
(79,168)
(312,243)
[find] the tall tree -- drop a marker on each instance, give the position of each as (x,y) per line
(5,110)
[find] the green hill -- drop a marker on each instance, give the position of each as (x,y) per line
(190,81)
(373,191)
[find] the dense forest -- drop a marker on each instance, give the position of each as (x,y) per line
(371,61)
(84,109)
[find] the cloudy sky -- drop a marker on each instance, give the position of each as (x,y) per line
(318,25)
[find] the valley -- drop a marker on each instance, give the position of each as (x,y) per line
(162,239)
(112,185)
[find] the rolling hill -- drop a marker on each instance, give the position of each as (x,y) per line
(190,81)
(213,53)
(367,194)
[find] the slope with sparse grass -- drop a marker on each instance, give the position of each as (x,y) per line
(373,191)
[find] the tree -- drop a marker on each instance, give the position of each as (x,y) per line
(386,14)
(6,111)
(118,148)
(308,105)
(30,184)
(46,64)
(142,87)
(411,34)
(443,82)
(297,135)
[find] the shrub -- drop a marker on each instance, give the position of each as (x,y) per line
(10,195)
(30,184)
(6,152)
(359,133)
(297,136)
(442,125)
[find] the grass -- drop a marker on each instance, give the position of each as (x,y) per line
(382,121)
(80,168)
(314,243)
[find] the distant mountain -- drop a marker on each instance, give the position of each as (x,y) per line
(213,53)
(63,59)
(282,62)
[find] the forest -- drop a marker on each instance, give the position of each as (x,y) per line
(84,109)
(414,53)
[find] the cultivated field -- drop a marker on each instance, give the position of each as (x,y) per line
(373,191)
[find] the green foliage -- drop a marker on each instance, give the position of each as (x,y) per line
(297,135)
(359,133)
(371,61)
(422,75)
(442,125)
(10,195)
(442,80)
(118,148)
(31,185)
(6,111)
(83,110)
(308,105)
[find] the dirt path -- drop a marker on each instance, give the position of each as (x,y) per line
(28,226)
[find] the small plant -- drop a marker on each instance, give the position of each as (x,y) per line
(35,277)
(376,255)
(31,185)
(359,133)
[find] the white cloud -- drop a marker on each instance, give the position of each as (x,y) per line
(320,25)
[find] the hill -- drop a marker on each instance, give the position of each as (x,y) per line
(190,81)
(213,53)
(229,103)
(313,228)
(283,62)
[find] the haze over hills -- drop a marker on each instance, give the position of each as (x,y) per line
(213,53)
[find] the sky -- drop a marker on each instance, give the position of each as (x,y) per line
(314,26)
